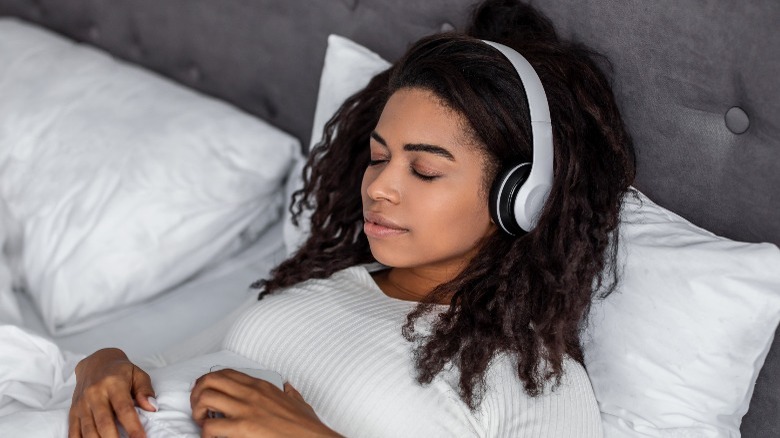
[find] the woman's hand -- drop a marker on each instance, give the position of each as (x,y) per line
(108,386)
(252,408)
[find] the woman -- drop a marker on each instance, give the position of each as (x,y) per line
(461,328)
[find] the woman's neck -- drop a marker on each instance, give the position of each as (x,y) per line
(411,284)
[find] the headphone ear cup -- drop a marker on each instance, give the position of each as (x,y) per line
(503,195)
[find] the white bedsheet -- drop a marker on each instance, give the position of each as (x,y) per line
(36,370)
(159,325)
(36,384)
(37,381)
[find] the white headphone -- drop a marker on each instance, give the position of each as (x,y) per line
(520,191)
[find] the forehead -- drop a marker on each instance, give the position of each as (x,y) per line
(414,115)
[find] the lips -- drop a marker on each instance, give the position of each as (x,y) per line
(378,226)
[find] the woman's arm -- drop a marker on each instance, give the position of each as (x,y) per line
(108,386)
(252,407)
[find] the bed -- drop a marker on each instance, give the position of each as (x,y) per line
(697,87)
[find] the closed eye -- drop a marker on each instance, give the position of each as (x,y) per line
(423,176)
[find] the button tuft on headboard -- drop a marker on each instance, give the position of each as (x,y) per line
(93,31)
(194,74)
(352,4)
(136,51)
(36,9)
(446,27)
(270,108)
(737,120)
(136,48)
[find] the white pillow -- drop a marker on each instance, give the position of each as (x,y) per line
(10,312)
(348,67)
(676,349)
(125,183)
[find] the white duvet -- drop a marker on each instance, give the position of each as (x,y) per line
(37,381)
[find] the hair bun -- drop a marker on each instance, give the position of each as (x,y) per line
(509,20)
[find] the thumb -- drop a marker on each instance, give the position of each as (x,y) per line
(143,391)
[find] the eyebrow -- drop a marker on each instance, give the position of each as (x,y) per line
(418,147)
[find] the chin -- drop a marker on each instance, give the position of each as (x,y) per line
(390,258)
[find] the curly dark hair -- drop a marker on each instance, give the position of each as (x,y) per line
(528,295)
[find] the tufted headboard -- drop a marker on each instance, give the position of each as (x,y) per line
(697,85)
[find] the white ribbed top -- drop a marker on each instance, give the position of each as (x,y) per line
(339,342)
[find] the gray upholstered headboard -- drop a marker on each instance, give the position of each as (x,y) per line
(696,80)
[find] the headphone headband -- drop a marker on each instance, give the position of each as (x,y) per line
(534,191)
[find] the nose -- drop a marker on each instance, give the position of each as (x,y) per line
(382,183)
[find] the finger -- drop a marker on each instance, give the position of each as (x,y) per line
(233,380)
(236,376)
(74,427)
(142,390)
(149,403)
(217,427)
(103,420)
(217,380)
(215,401)
(88,429)
(292,392)
(128,417)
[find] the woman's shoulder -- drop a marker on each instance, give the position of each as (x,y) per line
(566,408)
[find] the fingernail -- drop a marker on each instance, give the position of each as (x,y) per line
(153,402)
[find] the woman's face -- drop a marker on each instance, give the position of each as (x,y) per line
(424,203)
